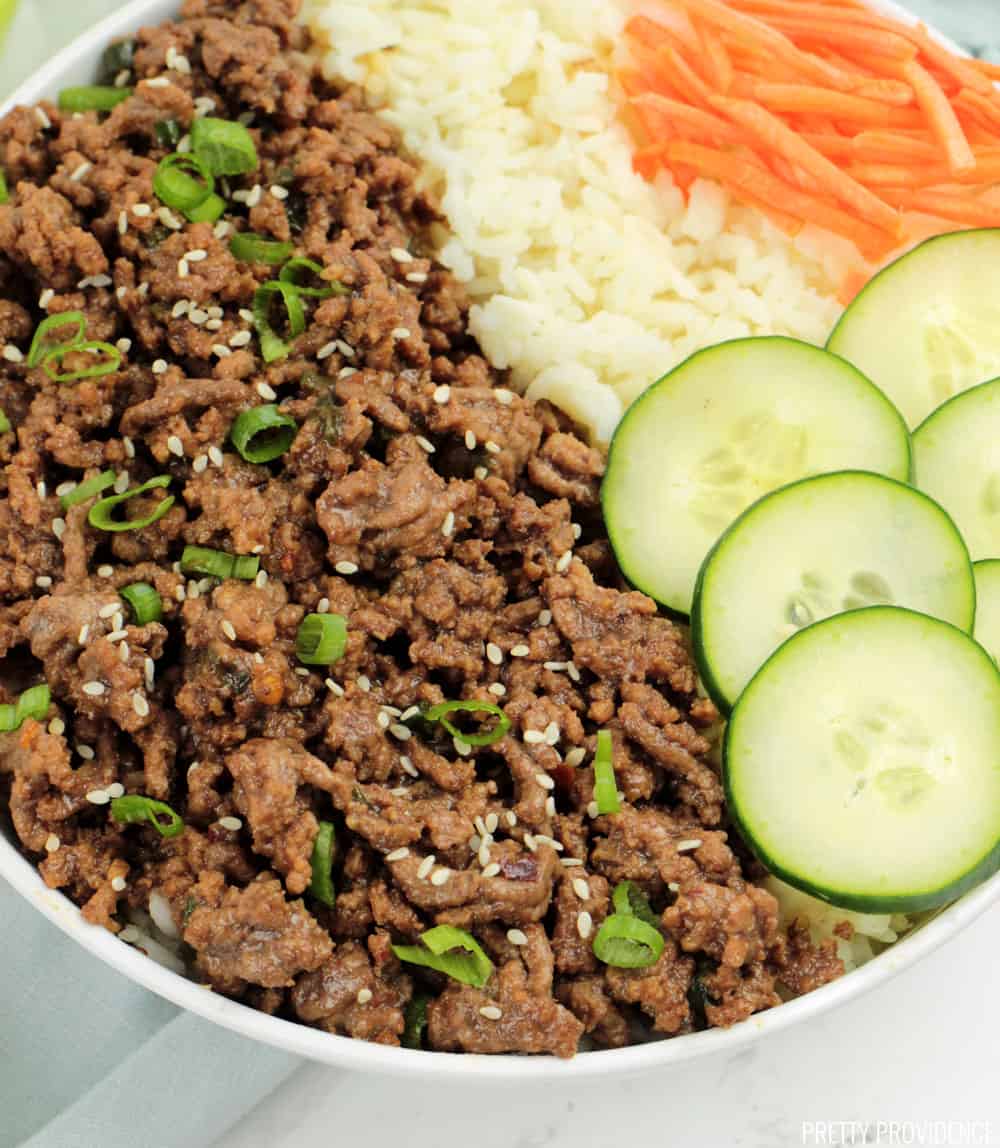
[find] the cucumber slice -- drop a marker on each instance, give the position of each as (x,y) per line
(928,326)
(862,762)
(817,548)
(727,426)
(956,460)
(988,606)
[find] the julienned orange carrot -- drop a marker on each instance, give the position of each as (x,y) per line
(850,40)
(653,32)
(892,147)
(987,67)
(842,107)
(718,66)
(877,175)
(708,128)
(985,110)
(683,77)
(961,209)
(830,144)
(941,117)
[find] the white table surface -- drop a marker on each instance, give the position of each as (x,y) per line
(922,1048)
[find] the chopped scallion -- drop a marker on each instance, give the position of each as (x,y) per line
(321,639)
(4,193)
(176,185)
(253,248)
(440,712)
(630,901)
(33,703)
(116,58)
(4,422)
(451,951)
(246,567)
(605,785)
(101,513)
(84,490)
(262,434)
(211,208)
(133,809)
(146,603)
(321,885)
(272,345)
(168,133)
(292,273)
(224,146)
(626,942)
(415,1021)
(92,98)
(42,343)
(105,366)
(219,564)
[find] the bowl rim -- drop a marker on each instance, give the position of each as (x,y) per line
(346,1052)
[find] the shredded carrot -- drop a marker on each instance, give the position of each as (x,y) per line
(718,65)
(707,127)
(892,147)
(842,107)
(941,117)
(961,209)
(987,67)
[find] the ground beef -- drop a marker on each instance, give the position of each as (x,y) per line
(452,523)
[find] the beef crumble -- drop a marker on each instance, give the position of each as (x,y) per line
(451,522)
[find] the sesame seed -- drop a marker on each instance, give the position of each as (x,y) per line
(417,277)
(545,618)
(577,530)
(581,888)
(117,635)
(168,219)
(401,732)
(520,651)
(261,580)
(470,440)
(335,688)
(180,593)
(183,270)
(573,672)
(183,65)
(688,844)
(122,222)
(159,366)
(52,843)
(142,290)
(43,581)
(118,884)
(575,756)
(400,333)
(175,446)
(12,354)
(197,316)
(116,789)
(42,118)
(534,737)
(425,444)
(84,634)
(441,877)
(383,720)
(498,689)
(494,654)
(222,229)
(346,372)
(140,705)
(592,810)
(569,862)
(78,173)
(215,325)
(673,887)
(364,682)
(516,937)
(492,821)
(323,606)
(221,350)
(245,315)
(492,447)
(545,781)
(98,797)
(426,866)
(215,456)
(563,564)
(85,751)
(483,853)
(481,472)
(228,629)
(552,733)
(57,727)
(233,823)
(120,293)
(241,339)
(346,568)
(93,689)
(197,255)
(401,255)
(149,669)
(442,394)
(278,191)
(504,396)
(448,526)
(491,870)
(408,766)
(511,818)
(398,854)
(491,1012)
(123,652)
(346,349)
(124,345)
(364,996)
(326,350)
(555,667)
(200,464)
(45,298)
(584,924)
(109,610)
(121,483)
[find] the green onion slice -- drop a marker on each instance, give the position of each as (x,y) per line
(219,564)
(321,639)
(605,786)
(92,98)
(439,713)
(4,422)
(415,1021)
(101,513)
(628,943)
(4,193)
(630,901)
(176,186)
(451,951)
(272,345)
(211,208)
(106,366)
(253,248)
(146,603)
(262,434)
(321,885)
(88,489)
(42,343)
(167,133)
(224,146)
(33,703)
(116,58)
(133,809)
(291,271)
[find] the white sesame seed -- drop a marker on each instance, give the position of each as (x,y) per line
(492,821)
(124,345)
(492,447)
(575,756)
(401,255)
(197,316)
(688,845)
(491,870)
(584,924)
(85,751)
(233,823)
(94,281)
(491,1012)
(171,56)
(577,530)
(442,394)
(94,689)
(52,843)
(425,444)
(245,315)
(408,766)
(364,996)
(12,354)
(400,333)
(175,446)
(215,456)
(214,325)
(483,853)
(511,818)
(46,298)
(197,255)
(335,688)
(520,650)
(84,634)
(470,440)
(120,484)
(398,854)
(43,581)
(183,270)
(383,720)
(417,277)
(498,689)
(401,732)
(140,705)
(346,349)
(504,396)
(180,593)
(222,229)
(346,372)
(448,526)
(550,806)
(123,652)
(117,635)
(241,339)
(228,629)
(534,737)
(221,350)
(494,654)
(563,564)
(168,219)
(364,683)
(97,797)
(78,173)
(326,350)
(159,366)
(552,733)
(110,609)
(480,472)
(673,887)
(115,789)
(423,870)
(118,884)
(545,618)
(346,568)
(569,862)
(592,810)
(555,667)
(57,727)
(200,464)
(516,937)
(149,670)
(545,781)
(42,118)
(440,876)
(142,290)
(581,888)
(573,672)
(323,606)
(122,222)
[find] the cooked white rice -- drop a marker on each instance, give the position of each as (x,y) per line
(589,283)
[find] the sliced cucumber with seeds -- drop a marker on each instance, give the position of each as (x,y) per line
(862,762)
(928,326)
(956,458)
(988,606)
(817,548)
(726,427)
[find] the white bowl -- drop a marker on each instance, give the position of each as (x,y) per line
(76,65)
